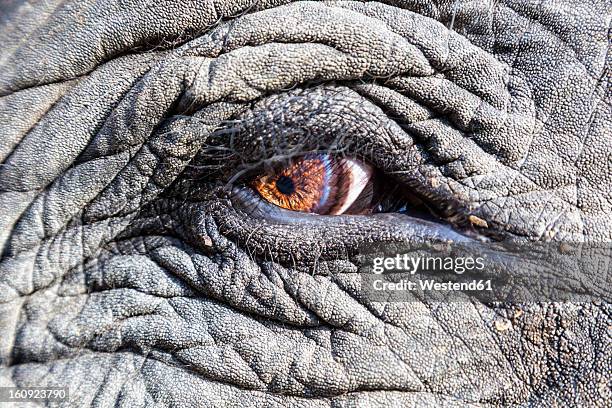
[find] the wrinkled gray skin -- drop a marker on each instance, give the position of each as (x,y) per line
(136,285)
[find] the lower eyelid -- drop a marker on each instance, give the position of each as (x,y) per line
(259,216)
(245,200)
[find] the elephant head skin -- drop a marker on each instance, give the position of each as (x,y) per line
(140,268)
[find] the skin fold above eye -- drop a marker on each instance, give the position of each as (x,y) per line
(320,184)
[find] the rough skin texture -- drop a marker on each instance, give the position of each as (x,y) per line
(136,285)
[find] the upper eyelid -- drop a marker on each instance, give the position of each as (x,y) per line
(269,133)
(245,134)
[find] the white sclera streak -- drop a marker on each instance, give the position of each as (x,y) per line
(360,174)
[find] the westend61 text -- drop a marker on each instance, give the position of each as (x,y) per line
(432,285)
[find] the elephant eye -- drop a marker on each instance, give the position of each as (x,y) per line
(320,184)
(326,185)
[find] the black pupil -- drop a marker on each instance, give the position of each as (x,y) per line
(285,185)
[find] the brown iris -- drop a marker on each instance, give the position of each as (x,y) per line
(316,183)
(298,187)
